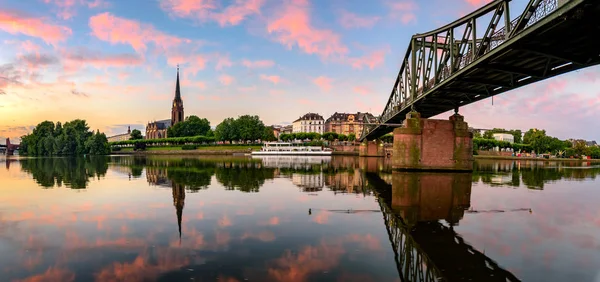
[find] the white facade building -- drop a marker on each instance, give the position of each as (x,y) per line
(310,122)
(504,137)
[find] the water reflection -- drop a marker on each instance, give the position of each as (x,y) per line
(532,174)
(239,219)
(72,172)
(426,249)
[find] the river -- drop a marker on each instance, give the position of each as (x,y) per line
(223,218)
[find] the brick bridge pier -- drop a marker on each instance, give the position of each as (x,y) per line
(428,144)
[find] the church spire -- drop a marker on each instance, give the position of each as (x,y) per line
(177,91)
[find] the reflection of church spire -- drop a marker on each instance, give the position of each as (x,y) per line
(178,202)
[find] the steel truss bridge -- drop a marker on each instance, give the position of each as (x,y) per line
(430,251)
(487,53)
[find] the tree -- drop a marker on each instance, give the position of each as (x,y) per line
(268,134)
(191,126)
(250,128)
(227,130)
(136,135)
(477,134)
(351,137)
(72,138)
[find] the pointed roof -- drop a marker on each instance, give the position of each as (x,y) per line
(177,91)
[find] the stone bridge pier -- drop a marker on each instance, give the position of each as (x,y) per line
(433,144)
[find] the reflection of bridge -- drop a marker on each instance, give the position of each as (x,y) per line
(487,53)
(424,248)
(9,148)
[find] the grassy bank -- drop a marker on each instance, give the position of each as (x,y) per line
(531,159)
(207,150)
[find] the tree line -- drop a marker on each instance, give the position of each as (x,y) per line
(535,140)
(72,138)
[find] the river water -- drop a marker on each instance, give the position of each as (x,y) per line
(125,218)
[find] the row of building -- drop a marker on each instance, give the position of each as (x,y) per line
(341,123)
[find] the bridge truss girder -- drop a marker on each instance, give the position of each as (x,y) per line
(456,65)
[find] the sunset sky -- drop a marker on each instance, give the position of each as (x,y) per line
(113,63)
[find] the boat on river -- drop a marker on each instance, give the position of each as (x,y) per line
(285,148)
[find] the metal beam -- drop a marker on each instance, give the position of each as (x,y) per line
(549,54)
(486,82)
(513,70)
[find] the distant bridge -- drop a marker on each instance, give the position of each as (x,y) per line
(487,53)
(9,148)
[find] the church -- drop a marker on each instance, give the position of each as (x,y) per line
(158,129)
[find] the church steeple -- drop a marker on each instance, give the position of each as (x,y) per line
(177,110)
(177,91)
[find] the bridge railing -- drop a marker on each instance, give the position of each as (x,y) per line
(436,56)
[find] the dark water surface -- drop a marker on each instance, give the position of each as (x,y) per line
(126,218)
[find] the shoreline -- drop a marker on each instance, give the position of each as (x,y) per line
(531,159)
(207,152)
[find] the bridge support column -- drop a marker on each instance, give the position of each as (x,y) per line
(371,149)
(431,196)
(433,144)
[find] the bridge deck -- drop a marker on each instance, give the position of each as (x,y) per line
(563,41)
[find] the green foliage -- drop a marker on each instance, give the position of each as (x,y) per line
(330,136)
(73,172)
(191,126)
(477,134)
(246,128)
(167,141)
(490,134)
(268,134)
(351,137)
(594,152)
(189,147)
(136,135)
(388,138)
(74,138)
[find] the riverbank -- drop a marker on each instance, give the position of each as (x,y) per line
(531,159)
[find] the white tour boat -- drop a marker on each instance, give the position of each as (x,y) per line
(283,148)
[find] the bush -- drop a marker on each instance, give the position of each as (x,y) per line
(116,149)
(139,146)
(189,147)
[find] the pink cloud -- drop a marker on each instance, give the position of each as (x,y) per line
(306,102)
(223,62)
(110,28)
(68,8)
(361,90)
(323,82)
(351,20)
(79,57)
(237,12)
(275,79)
(276,92)
(403,11)
(478,2)
(226,79)
(30,47)
(293,28)
(14,23)
(258,64)
(371,60)
(124,75)
(192,63)
(205,10)
(246,90)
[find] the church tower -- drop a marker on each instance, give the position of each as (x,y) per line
(177,110)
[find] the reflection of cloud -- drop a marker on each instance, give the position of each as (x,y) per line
(51,275)
(224,221)
(147,266)
(265,236)
(310,259)
(321,217)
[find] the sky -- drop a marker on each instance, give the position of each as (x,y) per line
(114,63)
